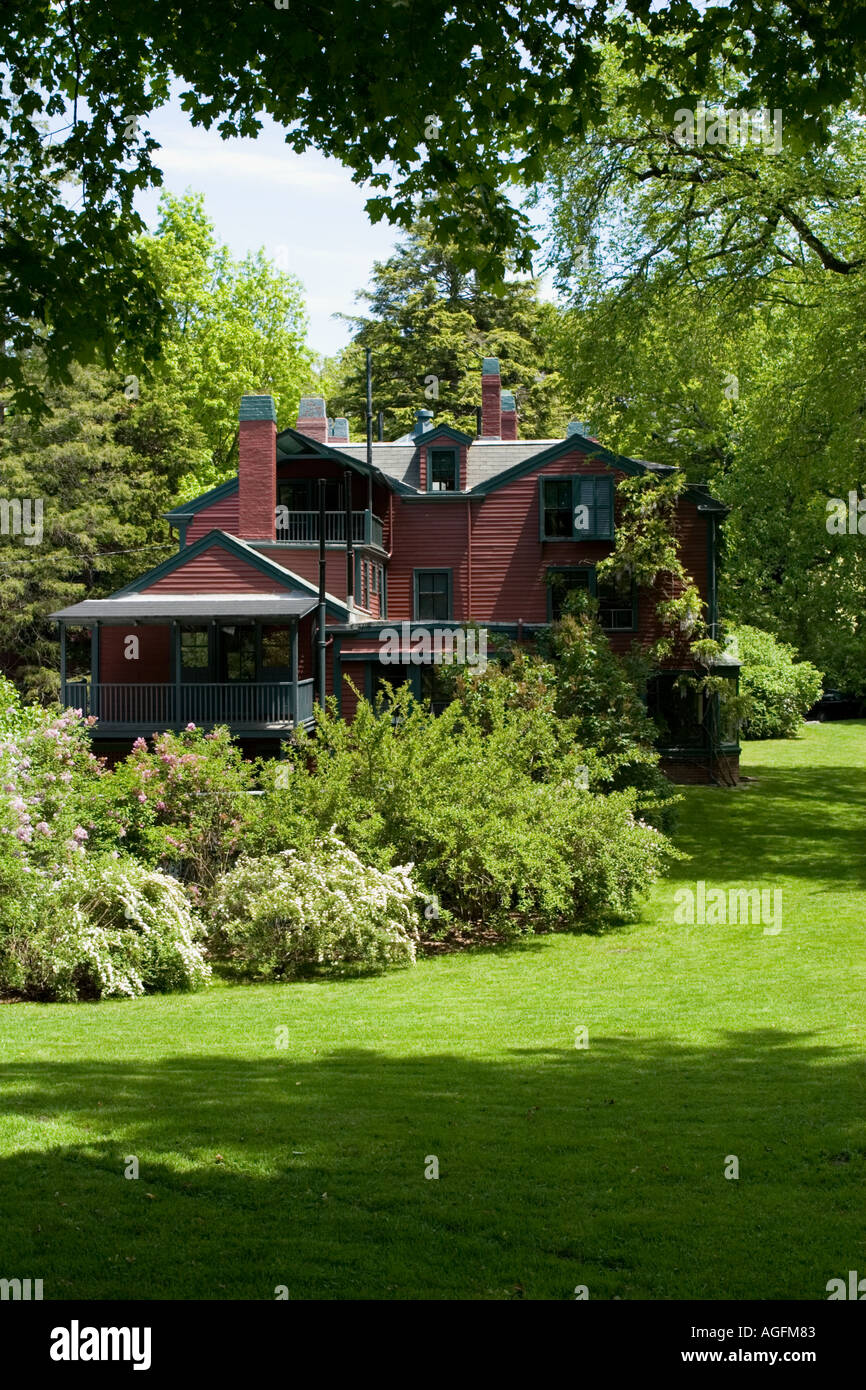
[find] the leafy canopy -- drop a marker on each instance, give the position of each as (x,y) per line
(438,109)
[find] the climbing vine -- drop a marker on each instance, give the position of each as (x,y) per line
(647,551)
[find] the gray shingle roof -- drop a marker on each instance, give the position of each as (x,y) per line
(486,459)
(398,461)
(187,607)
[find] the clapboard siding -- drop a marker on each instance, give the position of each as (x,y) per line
(219,516)
(509,562)
(429,535)
(217,571)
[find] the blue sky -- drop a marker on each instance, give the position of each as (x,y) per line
(303,209)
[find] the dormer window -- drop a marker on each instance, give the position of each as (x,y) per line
(577,508)
(443,470)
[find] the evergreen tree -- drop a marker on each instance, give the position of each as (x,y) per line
(430,324)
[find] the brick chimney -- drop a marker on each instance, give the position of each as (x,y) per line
(312,420)
(257,468)
(509,415)
(491,390)
(338,430)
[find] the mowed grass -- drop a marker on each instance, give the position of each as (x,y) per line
(559,1166)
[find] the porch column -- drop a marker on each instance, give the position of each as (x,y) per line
(94,669)
(175,650)
(62,663)
(295,687)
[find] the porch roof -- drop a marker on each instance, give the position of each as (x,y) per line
(153,608)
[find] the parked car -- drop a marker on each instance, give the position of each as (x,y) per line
(835,704)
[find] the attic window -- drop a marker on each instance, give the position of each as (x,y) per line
(443,471)
(578,508)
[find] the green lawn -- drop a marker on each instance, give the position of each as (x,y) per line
(559,1166)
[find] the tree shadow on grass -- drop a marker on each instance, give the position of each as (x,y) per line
(801,822)
(558,1167)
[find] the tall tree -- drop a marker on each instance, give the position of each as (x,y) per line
(97,473)
(430,323)
(439,126)
(718,297)
(232,327)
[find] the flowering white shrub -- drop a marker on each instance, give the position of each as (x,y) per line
(282,913)
(102,928)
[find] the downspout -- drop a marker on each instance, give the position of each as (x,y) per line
(469,560)
(321,639)
(369,412)
(350,546)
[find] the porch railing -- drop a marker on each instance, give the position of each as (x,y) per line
(303,527)
(160,706)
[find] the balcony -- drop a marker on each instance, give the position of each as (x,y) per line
(302,528)
(151,708)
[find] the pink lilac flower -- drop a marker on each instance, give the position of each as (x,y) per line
(43,827)
(140,743)
(190,728)
(142,797)
(79,833)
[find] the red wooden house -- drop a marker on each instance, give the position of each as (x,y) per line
(435,531)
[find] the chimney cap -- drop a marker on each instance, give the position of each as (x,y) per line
(490,366)
(508,401)
(339,428)
(577,427)
(422,421)
(312,408)
(257,407)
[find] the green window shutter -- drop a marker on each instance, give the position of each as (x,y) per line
(584,498)
(604,508)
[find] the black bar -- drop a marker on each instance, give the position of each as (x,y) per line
(350,544)
(369,358)
(321,640)
(380,426)
(478,420)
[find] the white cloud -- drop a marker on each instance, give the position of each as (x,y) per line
(289,171)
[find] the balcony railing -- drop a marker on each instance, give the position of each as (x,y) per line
(302,528)
(162,706)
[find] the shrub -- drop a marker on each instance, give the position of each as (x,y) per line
(286,913)
(50,780)
(182,803)
(778,689)
(494,844)
(105,927)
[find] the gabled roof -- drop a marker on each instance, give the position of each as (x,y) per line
(292,444)
(184,510)
(286,578)
(434,431)
(491,464)
(589,447)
